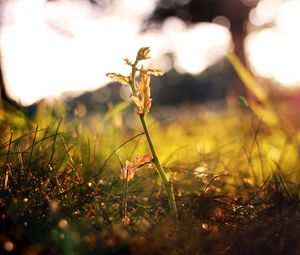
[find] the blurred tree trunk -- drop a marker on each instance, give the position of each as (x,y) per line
(205,11)
(3,91)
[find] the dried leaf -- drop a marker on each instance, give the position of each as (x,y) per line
(140,90)
(119,78)
(144,88)
(127,172)
(156,72)
(143,100)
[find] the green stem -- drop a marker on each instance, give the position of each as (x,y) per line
(166,181)
(132,78)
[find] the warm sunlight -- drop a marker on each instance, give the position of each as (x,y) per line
(159,127)
(53,47)
(198,46)
(274,52)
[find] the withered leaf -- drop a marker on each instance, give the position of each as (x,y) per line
(155,72)
(143,100)
(128,172)
(119,78)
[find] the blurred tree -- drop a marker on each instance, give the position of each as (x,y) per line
(193,11)
(3,91)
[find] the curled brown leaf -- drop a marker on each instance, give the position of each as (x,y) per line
(128,172)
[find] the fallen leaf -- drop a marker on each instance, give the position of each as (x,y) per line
(128,172)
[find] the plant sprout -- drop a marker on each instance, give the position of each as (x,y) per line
(141,96)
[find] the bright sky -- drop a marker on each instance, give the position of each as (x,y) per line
(274,52)
(52,47)
(49,48)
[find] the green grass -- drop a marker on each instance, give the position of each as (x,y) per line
(227,167)
(235,175)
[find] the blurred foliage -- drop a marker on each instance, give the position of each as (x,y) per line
(63,174)
(194,11)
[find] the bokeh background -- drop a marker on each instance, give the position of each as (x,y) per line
(63,47)
(235,169)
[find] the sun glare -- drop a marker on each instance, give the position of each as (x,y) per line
(49,48)
(200,46)
(274,52)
